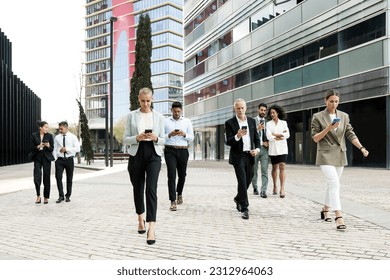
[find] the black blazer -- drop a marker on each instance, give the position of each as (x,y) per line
(36,140)
(231,128)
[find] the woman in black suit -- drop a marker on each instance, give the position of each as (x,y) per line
(42,154)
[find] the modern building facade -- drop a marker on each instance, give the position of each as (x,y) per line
(20,109)
(167,57)
(289,53)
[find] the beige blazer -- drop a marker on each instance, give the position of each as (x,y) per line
(332,150)
(132,130)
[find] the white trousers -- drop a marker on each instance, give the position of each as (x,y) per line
(332,176)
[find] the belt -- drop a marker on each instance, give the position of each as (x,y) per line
(176,147)
(246,152)
(64,158)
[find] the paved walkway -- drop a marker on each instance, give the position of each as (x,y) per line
(100,221)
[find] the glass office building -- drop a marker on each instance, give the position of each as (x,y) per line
(288,53)
(167,58)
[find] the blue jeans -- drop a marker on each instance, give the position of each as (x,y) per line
(263,159)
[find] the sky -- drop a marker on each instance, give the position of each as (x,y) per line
(47,52)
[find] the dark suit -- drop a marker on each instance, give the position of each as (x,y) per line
(242,162)
(42,159)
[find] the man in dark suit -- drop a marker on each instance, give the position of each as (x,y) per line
(244,142)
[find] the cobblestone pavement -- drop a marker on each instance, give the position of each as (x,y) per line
(100,221)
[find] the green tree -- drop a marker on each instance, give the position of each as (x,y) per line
(119,130)
(85,136)
(143,52)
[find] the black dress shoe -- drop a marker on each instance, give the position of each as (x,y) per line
(60,199)
(142,231)
(245,215)
(255,191)
(263,195)
(67,199)
(238,206)
(150,241)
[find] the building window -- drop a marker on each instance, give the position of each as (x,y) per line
(363,32)
(288,61)
(261,71)
(242,78)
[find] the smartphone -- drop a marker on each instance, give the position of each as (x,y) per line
(148,131)
(177,130)
(336,120)
(45,141)
(244,127)
(262,122)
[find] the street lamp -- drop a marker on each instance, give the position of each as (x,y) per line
(112,20)
(106,140)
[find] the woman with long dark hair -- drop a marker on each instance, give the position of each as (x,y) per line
(329,129)
(41,152)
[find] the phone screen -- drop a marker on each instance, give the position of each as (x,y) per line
(148,131)
(336,120)
(244,127)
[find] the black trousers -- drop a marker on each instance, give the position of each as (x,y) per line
(68,165)
(143,168)
(244,173)
(41,162)
(176,159)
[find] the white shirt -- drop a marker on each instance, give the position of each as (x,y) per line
(246,139)
(184,124)
(72,145)
(146,121)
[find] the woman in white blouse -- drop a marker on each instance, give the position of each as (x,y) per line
(145,134)
(277,133)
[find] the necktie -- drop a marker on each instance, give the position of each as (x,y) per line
(63,145)
(263,134)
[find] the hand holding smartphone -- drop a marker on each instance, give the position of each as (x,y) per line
(336,120)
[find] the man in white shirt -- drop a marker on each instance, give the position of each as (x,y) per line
(178,135)
(66,146)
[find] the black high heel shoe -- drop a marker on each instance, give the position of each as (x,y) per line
(327,219)
(142,231)
(38,201)
(150,241)
(342,226)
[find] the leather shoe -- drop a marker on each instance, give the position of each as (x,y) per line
(150,241)
(245,215)
(67,199)
(263,195)
(60,199)
(255,191)
(238,206)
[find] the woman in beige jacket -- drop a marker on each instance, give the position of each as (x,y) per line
(329,129)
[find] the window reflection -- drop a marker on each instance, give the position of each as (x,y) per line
(203,15)
(361,33)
